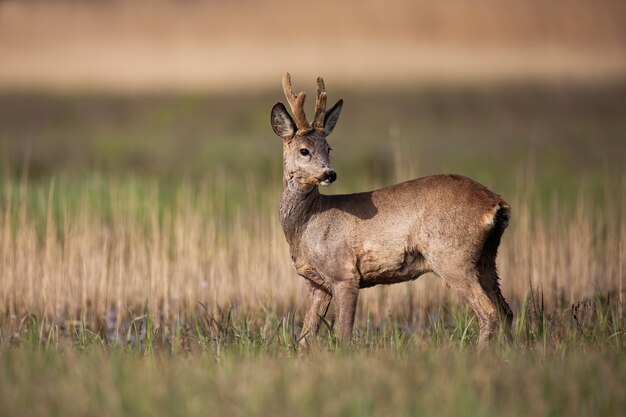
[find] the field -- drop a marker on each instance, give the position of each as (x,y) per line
(143,270)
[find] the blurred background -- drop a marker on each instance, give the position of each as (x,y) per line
(123,123)
(240,45)
(179,88)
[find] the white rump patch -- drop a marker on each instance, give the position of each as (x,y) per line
(489,217)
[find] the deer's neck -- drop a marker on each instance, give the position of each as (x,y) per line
(296,208)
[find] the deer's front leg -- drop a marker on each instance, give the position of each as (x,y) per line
(346,295)
(319,300)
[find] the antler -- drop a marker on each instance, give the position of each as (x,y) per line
(296,102)
(320,104)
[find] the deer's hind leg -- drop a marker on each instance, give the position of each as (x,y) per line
(489,280)
(318,300)
(466,282)
(487,272)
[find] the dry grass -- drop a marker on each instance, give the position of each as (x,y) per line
(74,262)
(75,245)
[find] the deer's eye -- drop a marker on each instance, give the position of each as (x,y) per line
(304,152)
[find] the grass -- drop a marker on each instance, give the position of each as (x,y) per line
(114,248)
(446,383)
(554,366)
(143,270)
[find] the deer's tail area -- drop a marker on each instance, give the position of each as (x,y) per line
(486,264)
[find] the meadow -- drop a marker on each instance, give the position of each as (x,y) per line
(143,270)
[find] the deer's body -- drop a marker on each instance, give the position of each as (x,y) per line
(447,224)
(390,235)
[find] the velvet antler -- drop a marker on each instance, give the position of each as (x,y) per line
(296,102)
(320,104)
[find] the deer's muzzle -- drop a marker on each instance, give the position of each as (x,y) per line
(328,177)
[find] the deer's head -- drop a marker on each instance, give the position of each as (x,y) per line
(306,154)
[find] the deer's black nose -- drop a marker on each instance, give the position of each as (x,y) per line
(331,176)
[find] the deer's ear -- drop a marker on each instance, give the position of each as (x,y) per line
(332,115)
(282,123)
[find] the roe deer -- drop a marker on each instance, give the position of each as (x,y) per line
(448,224)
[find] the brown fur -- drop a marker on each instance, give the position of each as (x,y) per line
(448,224)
